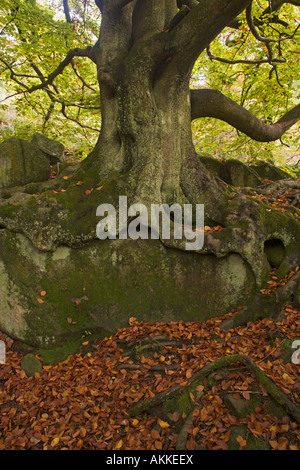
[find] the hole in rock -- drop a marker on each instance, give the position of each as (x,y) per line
(274,251)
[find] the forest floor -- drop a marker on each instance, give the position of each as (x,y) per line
(83,402)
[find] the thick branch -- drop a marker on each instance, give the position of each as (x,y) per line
(148,18)
(212,103)
(198,29)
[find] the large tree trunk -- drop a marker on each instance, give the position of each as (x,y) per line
(146,114)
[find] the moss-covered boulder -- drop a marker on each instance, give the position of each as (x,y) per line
(214,166)
(241,175)
(98,287)
(268,171)
(21,162)
(233,172)
(252,443)
(31,365)
(52,149)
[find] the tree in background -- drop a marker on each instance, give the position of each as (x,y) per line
(35,37)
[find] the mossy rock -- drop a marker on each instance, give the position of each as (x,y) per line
(268,171)
(31,365)
(102,284)
(233,172)
(31,188)
(253,443)
(215,167)
(274,251)
(21,163)
(242,407)
(52,149)
(241,175)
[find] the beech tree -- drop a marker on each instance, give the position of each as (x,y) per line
(144,58)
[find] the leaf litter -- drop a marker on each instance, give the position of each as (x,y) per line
(84,401)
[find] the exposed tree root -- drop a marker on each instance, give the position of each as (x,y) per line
(183,434)
(271,188)
(198,378)
(265,305)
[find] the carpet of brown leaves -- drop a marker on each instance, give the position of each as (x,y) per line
(82,403)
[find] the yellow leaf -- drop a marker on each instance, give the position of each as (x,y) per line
(119,444)
(55,441)
(135,422)
(288,378)
(163,424)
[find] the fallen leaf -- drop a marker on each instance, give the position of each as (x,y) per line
(119,444)
(163,424)
(241,441)
(158,445)
(54,442)
(246,395)
(155,434)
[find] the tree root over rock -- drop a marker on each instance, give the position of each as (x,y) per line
(165,398)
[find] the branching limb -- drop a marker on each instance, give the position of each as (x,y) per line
(212,103)
(198,29)
(84,126)
(81,78)
(255,32)
(60,68)
(241,61)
